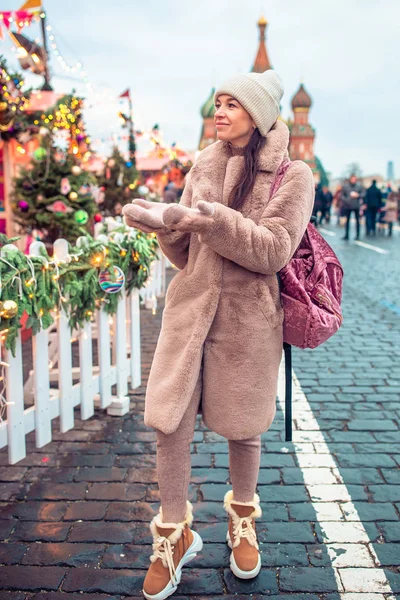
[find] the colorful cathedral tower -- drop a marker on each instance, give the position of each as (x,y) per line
(208,131)
(302,134)
(262,62)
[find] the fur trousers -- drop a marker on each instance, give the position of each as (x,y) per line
(174,464)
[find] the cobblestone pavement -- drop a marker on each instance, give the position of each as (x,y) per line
(74,514)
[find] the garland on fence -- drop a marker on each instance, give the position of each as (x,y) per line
(43,285)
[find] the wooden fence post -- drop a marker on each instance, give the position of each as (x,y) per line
(40,354)
(15,395)
(104,354)
(86,371)
(64,355)
(135,360)
(120,403)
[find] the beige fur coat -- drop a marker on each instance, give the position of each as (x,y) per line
(222,321)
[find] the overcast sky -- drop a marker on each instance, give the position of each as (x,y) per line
(170,53)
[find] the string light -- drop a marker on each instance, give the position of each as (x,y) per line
(15,101)
(97,259)
(76,68)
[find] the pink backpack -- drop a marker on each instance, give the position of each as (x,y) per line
(311,287)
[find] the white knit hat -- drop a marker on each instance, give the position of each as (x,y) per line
(259,93)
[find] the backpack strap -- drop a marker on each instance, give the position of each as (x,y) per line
(287,348)
(279,175)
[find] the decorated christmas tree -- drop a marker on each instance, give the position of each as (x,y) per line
(13,119)
(54,195)
(119,181)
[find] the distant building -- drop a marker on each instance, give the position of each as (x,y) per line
(262,62)
(208,131)
(390,171)
(302,134)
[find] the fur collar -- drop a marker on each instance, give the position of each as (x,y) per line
(275,149)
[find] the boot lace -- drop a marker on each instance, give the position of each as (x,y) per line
(164,550)
(243,528)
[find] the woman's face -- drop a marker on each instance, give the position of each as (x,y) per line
(232,121)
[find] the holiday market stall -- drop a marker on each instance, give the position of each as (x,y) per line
(163,164)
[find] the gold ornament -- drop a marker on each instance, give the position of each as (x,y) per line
(73,196)
(8,309)
(76,170)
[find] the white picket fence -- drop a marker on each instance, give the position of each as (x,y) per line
(119,363)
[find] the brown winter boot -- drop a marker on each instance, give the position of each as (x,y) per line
(174,544)
(241,537)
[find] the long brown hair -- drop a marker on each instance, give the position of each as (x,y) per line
(246,183)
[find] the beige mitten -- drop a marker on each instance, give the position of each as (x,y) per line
(181,218)
(144,215)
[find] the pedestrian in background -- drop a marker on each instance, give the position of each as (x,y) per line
(337,204)
(352,199)
(220,344)
(319,205)
(328,204)
(373,202)
(391,211)
(170,195)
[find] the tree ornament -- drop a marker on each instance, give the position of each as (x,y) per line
(143,190)
(40,197)
(73,196)
(65,186)
(81,217)
(23,205)
(59,207)
(43,131)
(40,154)
(111,162)
(97,193)
(98,218)
(120,180)
(84,190)
(27,185)
(108,173)
(111,280)
(8,309)
(76,170)
(24,137)
(59,157)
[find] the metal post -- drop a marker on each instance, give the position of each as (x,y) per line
(46,86)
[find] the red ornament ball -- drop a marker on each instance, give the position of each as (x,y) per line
(98,218)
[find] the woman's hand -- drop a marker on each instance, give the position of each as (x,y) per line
(144,215)
(180,218)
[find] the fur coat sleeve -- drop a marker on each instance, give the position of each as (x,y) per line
(267,247)
(175,244)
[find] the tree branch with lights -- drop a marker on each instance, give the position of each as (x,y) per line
(92,277)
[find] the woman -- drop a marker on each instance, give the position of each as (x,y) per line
(391,211)
(221,340)
(337,203)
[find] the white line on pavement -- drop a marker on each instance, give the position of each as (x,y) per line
(327,232)
(371,247)
(346,540)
